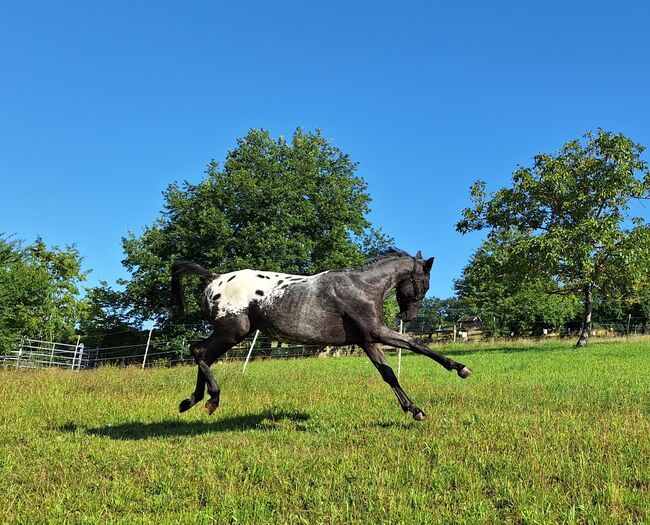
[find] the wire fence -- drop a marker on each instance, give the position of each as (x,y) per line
(158,351)
(483,330)
(33,353)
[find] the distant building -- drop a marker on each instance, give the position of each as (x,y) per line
(469,323)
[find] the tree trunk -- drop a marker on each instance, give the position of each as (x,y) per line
(586,320)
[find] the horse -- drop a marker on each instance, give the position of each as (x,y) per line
(335,307)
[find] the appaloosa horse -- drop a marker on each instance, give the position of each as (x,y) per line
(336,307)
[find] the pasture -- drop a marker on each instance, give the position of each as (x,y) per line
(540,433)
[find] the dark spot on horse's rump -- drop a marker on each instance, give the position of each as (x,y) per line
(232,278)
(284,286)
(260,276)
(259,292)
(220,283)
(266,277)
(216,297)
(280,281)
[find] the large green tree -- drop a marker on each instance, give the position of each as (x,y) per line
(570,214)
(492,286)
(293,206)
(108,321)
(39,292)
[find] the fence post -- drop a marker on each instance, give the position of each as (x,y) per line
(399,351)
(81,353)
(250,351)
(146,350)
(52,354)
(20,352)
(76,349)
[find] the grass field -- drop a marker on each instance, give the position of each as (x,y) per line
(539,434)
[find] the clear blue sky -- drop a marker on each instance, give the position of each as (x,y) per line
(103,104)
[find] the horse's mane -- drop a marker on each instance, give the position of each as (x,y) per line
(389,253)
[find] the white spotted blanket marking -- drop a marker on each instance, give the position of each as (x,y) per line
(232,293)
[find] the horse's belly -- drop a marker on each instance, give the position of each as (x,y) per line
(305,330)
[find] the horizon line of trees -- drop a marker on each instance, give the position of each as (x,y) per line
(561,244)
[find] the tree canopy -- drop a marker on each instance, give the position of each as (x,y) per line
(39,288)
(493,287)
(567,218)
(292,206)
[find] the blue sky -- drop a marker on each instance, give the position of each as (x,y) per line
(103,104)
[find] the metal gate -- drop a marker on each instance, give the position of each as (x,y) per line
(34,353)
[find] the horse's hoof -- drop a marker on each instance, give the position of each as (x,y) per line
(465,372)
(186,404)
(210,407)
(419,416)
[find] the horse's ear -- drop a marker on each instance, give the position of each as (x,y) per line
(418,255)
(428,264)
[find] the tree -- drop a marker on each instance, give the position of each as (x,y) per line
(569,214)
(39,294)
(435,312)
(108,321)
(625,311)
(294,207)
(492,287)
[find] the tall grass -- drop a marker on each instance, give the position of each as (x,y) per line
(539,434)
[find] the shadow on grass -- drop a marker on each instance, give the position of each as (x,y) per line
(401,425)
(267,420)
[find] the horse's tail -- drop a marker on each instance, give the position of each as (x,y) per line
(179,269)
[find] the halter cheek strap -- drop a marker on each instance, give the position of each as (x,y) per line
(416,291)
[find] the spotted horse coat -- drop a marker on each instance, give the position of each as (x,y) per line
(336,307)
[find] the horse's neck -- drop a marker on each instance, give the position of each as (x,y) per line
(389,273)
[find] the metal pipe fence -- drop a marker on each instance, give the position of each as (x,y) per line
(34,353)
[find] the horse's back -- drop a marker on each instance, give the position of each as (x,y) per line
(308,311)
(235,292)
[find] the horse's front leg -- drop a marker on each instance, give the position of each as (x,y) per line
(389,337)
(378,359)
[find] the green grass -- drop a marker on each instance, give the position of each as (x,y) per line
(539,434)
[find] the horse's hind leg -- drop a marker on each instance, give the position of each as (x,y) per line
(199,390)
(197,395)
(201,352)
(225,336)
(378,359)
(213,387)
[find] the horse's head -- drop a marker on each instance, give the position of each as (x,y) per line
(411,291)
